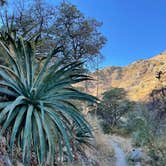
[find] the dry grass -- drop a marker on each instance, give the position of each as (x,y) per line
(125,143)
(103,155)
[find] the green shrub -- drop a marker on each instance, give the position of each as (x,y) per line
(105,127)
(157,152)
(113,106)
(141,137)
(141,124)
(162,63)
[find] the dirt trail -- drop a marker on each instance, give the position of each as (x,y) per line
(119,154)
(121,147)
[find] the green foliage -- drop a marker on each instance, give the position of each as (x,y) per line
(105,127)
(157,151)
(113,106)
(162,63)
(138,125)
(141,125)
(62,25)
(38,112)
(114,94)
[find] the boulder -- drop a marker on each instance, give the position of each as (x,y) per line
(137,155)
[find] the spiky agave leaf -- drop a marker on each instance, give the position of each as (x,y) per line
(82,139)
(39,111)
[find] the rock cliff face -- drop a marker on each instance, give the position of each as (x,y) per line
(138,78)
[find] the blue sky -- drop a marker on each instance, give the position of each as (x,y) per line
(135,29)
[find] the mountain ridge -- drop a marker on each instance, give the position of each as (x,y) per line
(138,78)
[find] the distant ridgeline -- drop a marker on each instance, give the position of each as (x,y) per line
(139,79)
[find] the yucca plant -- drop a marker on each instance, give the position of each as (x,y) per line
(38,112)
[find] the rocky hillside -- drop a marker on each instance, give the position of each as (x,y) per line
(138,78)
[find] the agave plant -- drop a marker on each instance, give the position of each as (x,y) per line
(82,140)
(38,112)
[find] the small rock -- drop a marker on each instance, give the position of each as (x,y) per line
(136,155)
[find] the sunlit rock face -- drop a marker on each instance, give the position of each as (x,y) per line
(138,78)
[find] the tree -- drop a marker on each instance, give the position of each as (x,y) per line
(63,25)
(76,31)
(113,106)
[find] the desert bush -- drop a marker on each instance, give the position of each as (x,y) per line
(141,125)
(138,124)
